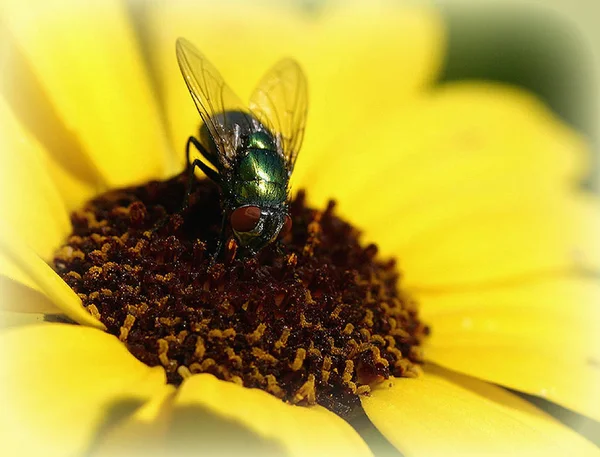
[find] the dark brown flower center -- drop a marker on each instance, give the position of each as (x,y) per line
(314,318)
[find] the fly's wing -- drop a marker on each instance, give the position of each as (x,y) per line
(213,98)
(280,102)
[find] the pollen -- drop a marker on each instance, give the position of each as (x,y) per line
(316,317)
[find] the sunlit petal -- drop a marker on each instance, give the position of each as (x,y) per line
(85,58)
(222,418)
(29,201)
(473,189)
(442,413)
(19,298)
(142,433)
(540,337)
(40,273)
(60,384)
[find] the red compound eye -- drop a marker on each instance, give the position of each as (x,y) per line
(244,219)
(287,227)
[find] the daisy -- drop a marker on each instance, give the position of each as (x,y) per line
(471,186)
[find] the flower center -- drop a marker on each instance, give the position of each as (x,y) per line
(315,318)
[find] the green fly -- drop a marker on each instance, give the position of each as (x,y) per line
(249,151)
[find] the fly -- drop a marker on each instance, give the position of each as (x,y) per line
(249,151)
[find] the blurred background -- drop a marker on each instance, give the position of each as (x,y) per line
(550,47)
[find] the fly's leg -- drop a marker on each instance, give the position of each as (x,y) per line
(212,175)
(221,240)
(191,167)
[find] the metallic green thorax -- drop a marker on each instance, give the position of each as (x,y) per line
(260,176)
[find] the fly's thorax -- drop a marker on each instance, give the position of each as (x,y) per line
(260,178)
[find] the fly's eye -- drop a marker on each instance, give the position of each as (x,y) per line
(287,227)
(244,219)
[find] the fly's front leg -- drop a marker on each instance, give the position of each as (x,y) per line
(221,239)
(191,167)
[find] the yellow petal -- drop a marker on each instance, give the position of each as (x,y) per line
(86,59)
(221,418)
(466,185)
(27,261)
(556,234)
(142,433)
(12,319)
(29,201)
(60,384)
(17,297)
(445,414)
(57,149)
(538,337)
(347,51)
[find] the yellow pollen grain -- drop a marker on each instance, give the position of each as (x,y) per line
(200,349)
(237,380)
(93,310)
(314,230)
(282,341)
(292,259)
(138,310)
(353,348)
(221,334)
(348,329)
(126,327)
(416,352)
(170,321)
(299,359)
(400,332)
(235,360)
(325,373)
(206,364)
(378,339)
(335,314)
(181,336)
(365,333)
(377,357)
(333,348)
(348,372)
(94,271)
(362,390)
(257,334)
(308,298)
(314,352)
(68,253)
(273,386)
(74,275)
(306,392)
(184,372)
(264,356)
(303,322)
(163,349)
(368,319)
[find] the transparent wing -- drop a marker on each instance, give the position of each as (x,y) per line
(213,98)
(280,102)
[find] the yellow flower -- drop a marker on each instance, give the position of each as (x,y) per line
(471,186)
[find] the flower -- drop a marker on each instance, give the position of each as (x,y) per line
(470,185)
